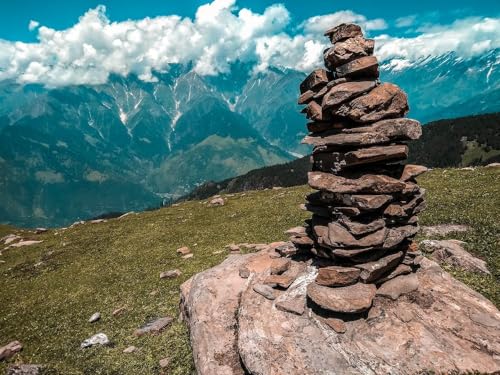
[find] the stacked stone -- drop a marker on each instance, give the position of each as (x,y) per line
(364,212)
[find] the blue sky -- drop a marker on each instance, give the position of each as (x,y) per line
(59,43)
(60,14)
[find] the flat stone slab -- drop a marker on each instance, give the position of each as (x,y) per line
(337,276)
(442,327)
(394,288)
(384,101)
(346,299)
(381,132)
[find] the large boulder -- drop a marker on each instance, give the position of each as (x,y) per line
(428,322)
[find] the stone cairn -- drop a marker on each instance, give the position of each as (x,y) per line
(364,210)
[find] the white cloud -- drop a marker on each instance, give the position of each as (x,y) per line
(319,24)
(406,21)
(466,37)
(33,25)
(218,35)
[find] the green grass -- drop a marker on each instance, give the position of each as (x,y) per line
(50,290)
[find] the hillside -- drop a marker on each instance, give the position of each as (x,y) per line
(460,142)
(49,290)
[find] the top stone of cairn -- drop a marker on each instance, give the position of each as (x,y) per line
(343,31)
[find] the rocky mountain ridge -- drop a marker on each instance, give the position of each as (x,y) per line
(80,151)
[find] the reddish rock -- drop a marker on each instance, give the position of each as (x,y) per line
(210,308)
(383,102)
(337,276)
(381,132)
(401,269)
(340,237)
(319,95)
(314,112)
(314,81)
(280,265)
(398,286)
(359,228)
(421,329)
(365,202)
(337,325)
(364,67)
(321,126)
(405,208)
(343,31)
(283,281)
(348,50)
(306,97)
(411,171)
(371,184)
(183,250)
(345,91)
(287,250)
(372,271)
(296,231)
(301,240)
(397,235)
(346,299)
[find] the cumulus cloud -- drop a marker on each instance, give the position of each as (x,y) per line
(319,24)
(466,37)
(219,34)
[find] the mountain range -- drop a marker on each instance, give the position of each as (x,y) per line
(74,152)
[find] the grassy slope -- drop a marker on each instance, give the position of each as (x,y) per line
(100,267)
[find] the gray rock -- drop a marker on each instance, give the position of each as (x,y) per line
(337,161)
(95,317)
(129,349)
(164,362)
(372,271)
(451,252)
(24,369)
(444,229)
(172,274)
(369,184)
(154,326)
(265,291)
(97,339)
